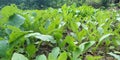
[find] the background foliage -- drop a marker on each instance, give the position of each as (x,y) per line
(38,4)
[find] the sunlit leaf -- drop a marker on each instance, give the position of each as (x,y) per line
(63,56)
(115,55)
(42,37)
(54,54)
(84,46)
(103,37)
(41,57)
(17,56)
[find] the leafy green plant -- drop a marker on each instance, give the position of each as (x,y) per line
(67,33)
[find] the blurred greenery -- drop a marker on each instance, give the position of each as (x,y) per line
(41,4)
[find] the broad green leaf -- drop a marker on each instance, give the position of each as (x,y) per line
(76,54)
(8,11)
(54,54)
(3,47)
(63,56)
(51,57)
(17,56)
(41,57)
(16,20)
(81,49)
(42,37)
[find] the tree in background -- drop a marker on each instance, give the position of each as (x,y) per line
(41,4)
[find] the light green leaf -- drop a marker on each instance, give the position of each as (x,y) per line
(76,54)
(89,57)
(17,56)
(81,35)
(31,49)
(84,46)
(17,35)
(42,37)
(118,19)
(54,54)
(115,55)
(51,57)
(85,26)
(41,57)
(70,41)
(100,30)
(81,49)
(102,38)
(63,56)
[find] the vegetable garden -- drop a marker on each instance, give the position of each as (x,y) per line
(66,33)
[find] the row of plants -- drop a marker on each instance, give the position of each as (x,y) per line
(67,33)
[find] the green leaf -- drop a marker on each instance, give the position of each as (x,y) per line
(118,19)
(17,35)
(102,38)
(100,30)
(42,37)
(8,11)
(31,49)
(3,47)
(54,54)
(63,56)
(81,49)
(85,26)
(58,35)
(47,24)
(51,57)
(41,57)
(15,38)
(115,55)
(84,46)
(17,56)
(73,26)
(89,57)
(81,35)
(16,20)
(70,41)
(76,54)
